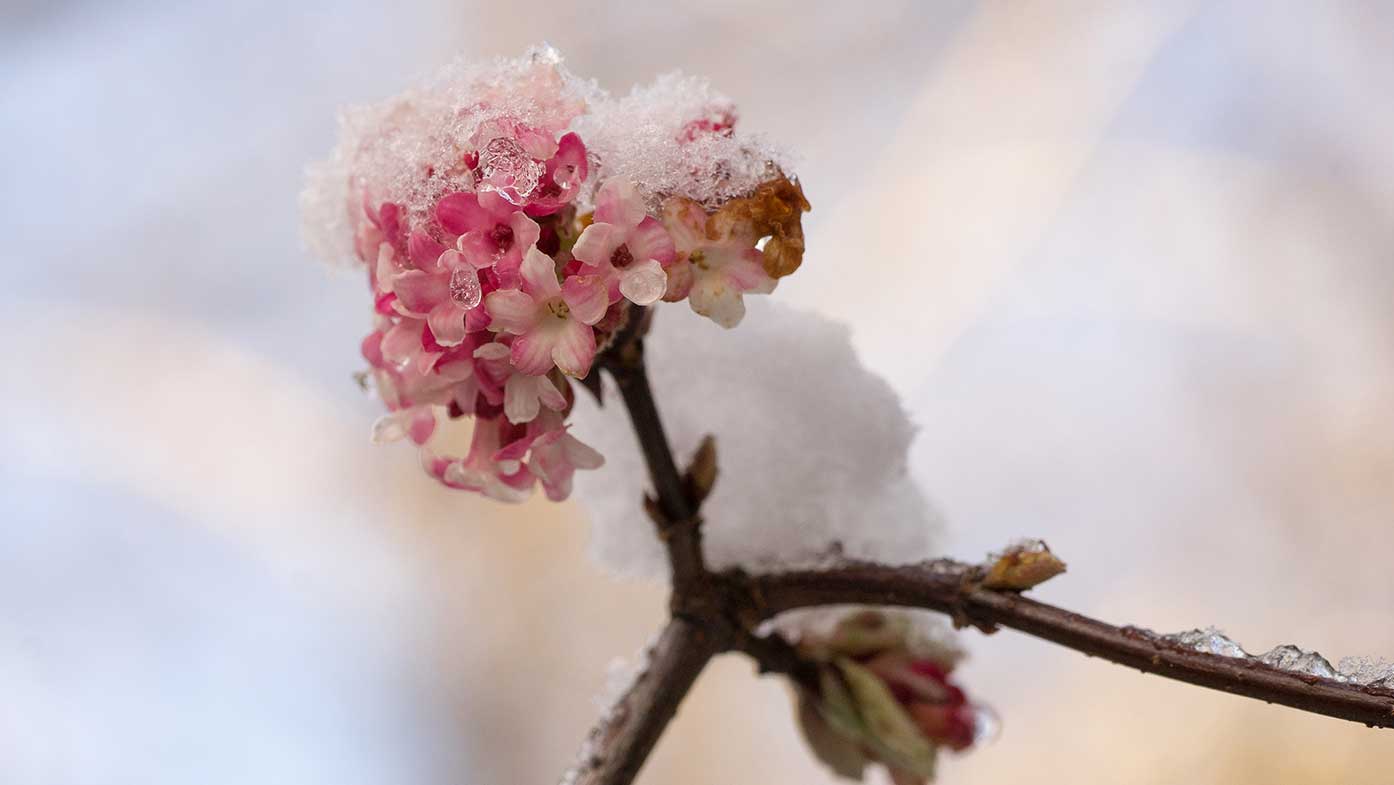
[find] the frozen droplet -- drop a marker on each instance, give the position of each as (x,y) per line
(1292,658)
(464,287)
(1368,671)
(643,286)
(509,170)
(1208,640)
(986,725)
(391,427)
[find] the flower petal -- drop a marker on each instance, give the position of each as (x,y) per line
(686,223)
(649,240)
(540,275)
(447,323)
(597,243)
(423,250)
(574,348)
(747,273)
(459,213)
(532,353)
(402,342)
(713,297)
(588,296)
(520,403)
(619,203)
(418,292)
(511,310)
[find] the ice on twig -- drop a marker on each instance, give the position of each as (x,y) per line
(1364,671)
(1298,660)
(1209,640)
(1368,671)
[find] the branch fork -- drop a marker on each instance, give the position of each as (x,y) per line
(716,612)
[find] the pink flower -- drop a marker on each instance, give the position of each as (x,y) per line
(493,233)
(480,470)
(561,177)
(625,250)
(524,396)
(714,268)
(554,454)
(552,325)
(443,288)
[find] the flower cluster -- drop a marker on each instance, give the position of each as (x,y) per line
(884,694)
(510,254)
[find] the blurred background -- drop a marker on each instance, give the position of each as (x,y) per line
(1135,281)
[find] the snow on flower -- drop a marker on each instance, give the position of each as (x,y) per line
(507,217)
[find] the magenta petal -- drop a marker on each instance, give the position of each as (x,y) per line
(461,212)
(418,292)
(423,250)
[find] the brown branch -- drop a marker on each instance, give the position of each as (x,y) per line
(618,746)
(675,514)
(716,612)
(951,587)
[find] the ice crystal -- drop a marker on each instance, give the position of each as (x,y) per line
(1209,640)
(1298,660)
(1368,671)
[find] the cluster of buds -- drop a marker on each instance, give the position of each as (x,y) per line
(503,287)
(884,694)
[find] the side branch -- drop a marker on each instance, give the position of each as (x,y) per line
(952,588)
(620,743)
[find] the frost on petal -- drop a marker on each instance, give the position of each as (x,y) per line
(643,283)
(511,311)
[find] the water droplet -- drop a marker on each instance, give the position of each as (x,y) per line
(390,427)
(464,287)
(986,725)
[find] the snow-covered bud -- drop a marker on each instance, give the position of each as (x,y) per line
(884,695)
